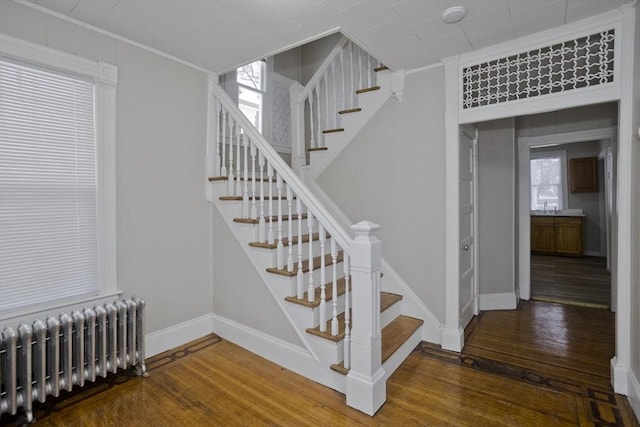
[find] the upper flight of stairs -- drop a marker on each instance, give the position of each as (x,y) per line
(351,121)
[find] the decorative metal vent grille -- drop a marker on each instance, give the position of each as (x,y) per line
(574,64)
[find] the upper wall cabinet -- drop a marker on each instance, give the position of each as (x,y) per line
(583,175)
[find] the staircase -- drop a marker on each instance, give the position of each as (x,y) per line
(326,279)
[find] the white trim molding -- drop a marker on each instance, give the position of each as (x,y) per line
(498,301)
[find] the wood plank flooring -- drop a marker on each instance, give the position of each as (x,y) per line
(579,281)
(542,364)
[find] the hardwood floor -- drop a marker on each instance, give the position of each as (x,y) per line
(543,364)
(579,281)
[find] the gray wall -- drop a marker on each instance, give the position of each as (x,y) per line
(289,64)
(239,293)
(568,120)
(588,202)
(163,219)
(496,208)
(393,174)
(313,54)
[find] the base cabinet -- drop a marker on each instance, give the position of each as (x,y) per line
(557,235)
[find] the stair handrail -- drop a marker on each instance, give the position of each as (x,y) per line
(271,155)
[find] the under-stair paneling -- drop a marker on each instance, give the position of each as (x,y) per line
(392,173)
(496,208)
(239,293)
(163,218)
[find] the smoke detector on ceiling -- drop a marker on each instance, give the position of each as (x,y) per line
(453,14)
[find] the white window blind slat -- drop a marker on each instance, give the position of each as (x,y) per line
(48,191)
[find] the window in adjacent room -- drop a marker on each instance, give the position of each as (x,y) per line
(251,91)
(56,218)
(547,181)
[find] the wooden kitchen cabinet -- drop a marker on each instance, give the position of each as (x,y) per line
(542,235)
(583,175)
(556,235)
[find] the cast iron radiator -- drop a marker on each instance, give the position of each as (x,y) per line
(47,357)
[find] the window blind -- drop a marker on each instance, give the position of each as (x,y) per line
(48,191)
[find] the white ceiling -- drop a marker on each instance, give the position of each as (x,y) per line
(221,34)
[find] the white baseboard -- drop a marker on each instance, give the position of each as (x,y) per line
(177,335)
(619,376)
(498,301)
(452,339)
(634,393)
(294,358)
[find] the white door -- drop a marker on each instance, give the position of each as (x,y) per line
(468,282)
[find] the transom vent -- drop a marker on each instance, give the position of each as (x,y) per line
(574,64)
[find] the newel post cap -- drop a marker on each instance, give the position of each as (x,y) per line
(365,228)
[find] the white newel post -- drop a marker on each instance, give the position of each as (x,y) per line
(366,385)
(298,149)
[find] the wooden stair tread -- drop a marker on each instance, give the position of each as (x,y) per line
(316,301)
(317,149)
(333,130)
(350,110)
(226,178)
(380,68)
(305,265)
(368,89)
(239,198)
(394,335)
(273,218)
(285,241)
(390,298)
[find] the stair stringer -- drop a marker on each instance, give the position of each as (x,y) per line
(370,102)
(314,359)
(392,281)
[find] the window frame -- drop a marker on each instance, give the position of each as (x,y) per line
(105,78)
(562,154)
(264,80)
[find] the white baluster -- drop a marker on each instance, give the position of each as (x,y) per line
(270,233)
(279,246)
(218,162)
(313,142)
(334,291)
(323,278)
(290,228)
(262,226)
(239,134)
(343,88)
(254,203)
(347,312)
(352,90)
(360,68)
(231,185)
(334,102)
(245,186)
(326,99)
(369,72)
(299,274)
(318,122)
(311,296)
(223,168)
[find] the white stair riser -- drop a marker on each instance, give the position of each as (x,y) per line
(326,349)
(390,314)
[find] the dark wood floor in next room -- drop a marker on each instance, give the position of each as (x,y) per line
(580,281)
(540,365)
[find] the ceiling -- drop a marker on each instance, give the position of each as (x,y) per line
(221,34)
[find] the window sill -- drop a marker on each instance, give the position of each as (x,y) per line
(14,318)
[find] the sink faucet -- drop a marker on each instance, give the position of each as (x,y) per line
(545,207)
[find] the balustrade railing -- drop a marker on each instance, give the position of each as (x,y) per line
(328,94)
